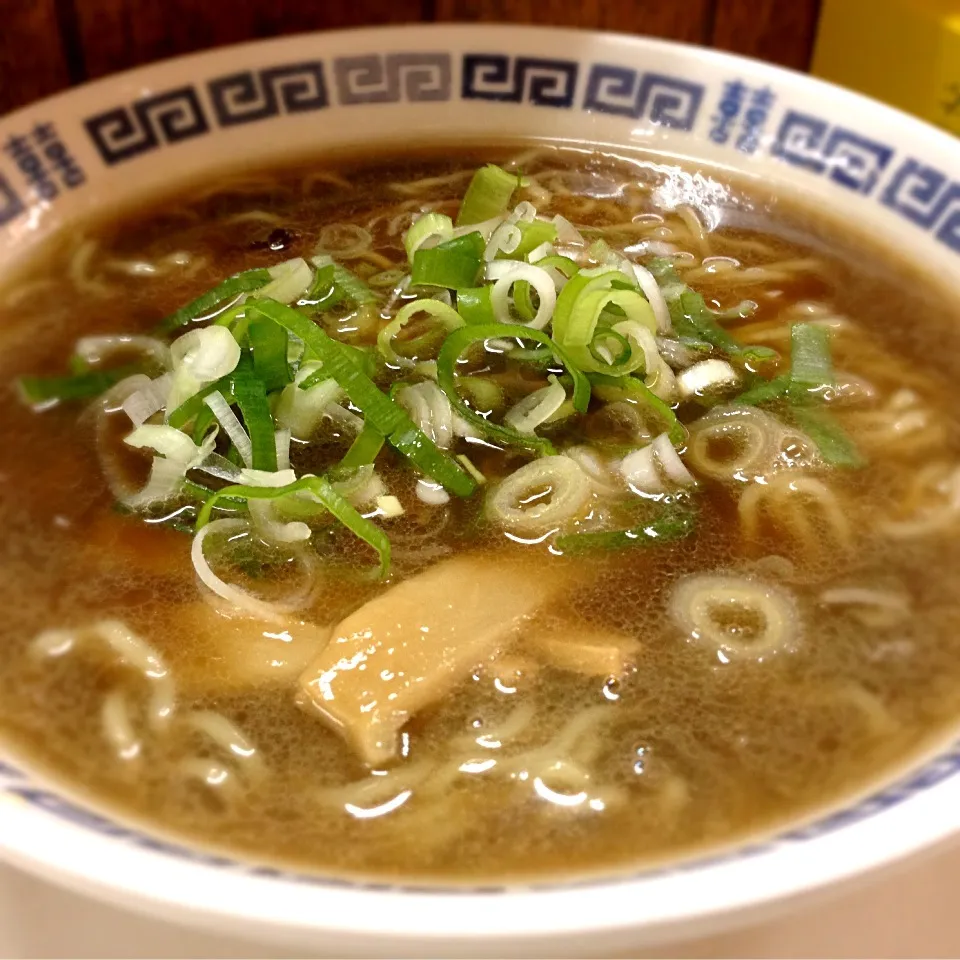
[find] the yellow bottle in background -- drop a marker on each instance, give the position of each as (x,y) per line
(905,52)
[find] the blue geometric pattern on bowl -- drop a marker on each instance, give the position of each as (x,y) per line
(129,130)
(855,162)
(16,783)
(663,100)
(738,119)
(543,83)
(258,94)
(393,77)
(928,198)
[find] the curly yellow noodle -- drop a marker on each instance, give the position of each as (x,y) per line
(904,426)
(868,707)
(328,178)
(80,273)
(931,506)
(803,507)
(411,188)
(253,216)
(238,187)
(19,295)
(696,229)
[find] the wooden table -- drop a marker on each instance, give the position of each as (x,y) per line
(46,45)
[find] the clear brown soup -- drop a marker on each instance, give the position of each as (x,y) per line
(684,747)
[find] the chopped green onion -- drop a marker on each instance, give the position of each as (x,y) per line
(340,365)
(764,391)
(208,302)
(523,301)
(365,448)
(323,293)
(704,326)
(611,389)
(348,284)
(424,228)
(836,448)
(611,349)
(352,287)
(691,317)
(454,264)
(533,233)
(238,322)
(325,495)
(599,249)
(484,394)
(378,409)
(447,316)
(537,407)
(673,525)
(743,310)
(363,357)
(255,409)
(538,356)
(269,345)
(205,418)
(474,306)
(582,335)
(578,285)
(459,340)
(201,493)
(193,405)
(488,195)
(36,391)
(231,315)
(695,344)
(811,369)
(351,481)
(471,468)
(565,265)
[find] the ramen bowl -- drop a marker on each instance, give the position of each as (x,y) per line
(107,143)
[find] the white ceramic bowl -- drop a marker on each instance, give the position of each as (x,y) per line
(111,141)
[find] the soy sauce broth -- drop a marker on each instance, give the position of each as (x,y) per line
(687,749)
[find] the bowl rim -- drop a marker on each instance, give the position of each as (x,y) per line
(441,28)
(264,903)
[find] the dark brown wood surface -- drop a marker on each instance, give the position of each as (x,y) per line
(782,31)
(45,45)
(690,20)
(116,34)
(33,61)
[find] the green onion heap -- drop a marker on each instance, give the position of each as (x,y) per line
(251,364)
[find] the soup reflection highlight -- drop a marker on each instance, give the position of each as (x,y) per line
(441,519)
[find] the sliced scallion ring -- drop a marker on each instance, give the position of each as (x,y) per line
(447,316)
(506,273)
(459,340)
(208,303)
(435,227)
(378,409)
(488,195)
(326,497)
(536,408)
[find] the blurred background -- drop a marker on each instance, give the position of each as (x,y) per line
(47,45)
(906,52)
